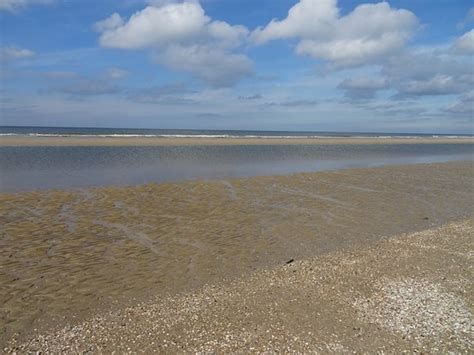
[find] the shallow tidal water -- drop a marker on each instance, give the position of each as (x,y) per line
(30,168)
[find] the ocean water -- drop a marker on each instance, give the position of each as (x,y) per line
(175,133)
(29,168)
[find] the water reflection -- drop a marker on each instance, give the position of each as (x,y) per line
(25,168)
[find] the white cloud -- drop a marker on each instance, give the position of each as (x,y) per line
(465,43)
(307,19)
(15,5)
(182,37)
(173,23)
(212,65)
(12,53)
(428,73)
(368,33)
(155,26)
(110,23)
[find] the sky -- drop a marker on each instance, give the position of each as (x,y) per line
(301,65)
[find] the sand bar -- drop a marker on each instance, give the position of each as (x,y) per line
(14,141)
(67,255)
(413,293)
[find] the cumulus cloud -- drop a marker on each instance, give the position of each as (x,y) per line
(170,23)
(465,43)
(212,65)
(12,53)
(182,37)
(367,34)
(416,74)
(15,5)
(308,18)
(362,87)
(110,23)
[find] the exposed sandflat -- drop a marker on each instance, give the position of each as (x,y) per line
(412,293)
(139,141)
(66,255)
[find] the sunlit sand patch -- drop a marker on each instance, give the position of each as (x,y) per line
(418,309)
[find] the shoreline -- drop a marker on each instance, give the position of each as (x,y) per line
(9,141)
(412,293)
(69,254)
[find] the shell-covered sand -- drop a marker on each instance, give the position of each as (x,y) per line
(68,255)
(412,293)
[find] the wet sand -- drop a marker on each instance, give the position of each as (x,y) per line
(68,255)
(14,141)
(413,293)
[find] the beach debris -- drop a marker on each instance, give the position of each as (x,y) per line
(289,261)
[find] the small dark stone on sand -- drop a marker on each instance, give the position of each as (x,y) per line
(290,261)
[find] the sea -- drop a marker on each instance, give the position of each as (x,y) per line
(31,168)
(198,133)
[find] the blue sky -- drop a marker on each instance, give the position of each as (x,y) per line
(396,66)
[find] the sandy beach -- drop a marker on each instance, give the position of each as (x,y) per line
(18,141)
(68,255)
(412,293)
